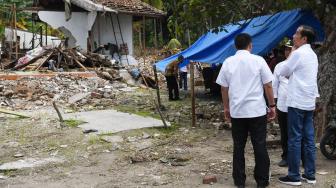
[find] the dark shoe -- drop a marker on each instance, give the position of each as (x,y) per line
(308,180)
(288,181)
(261,186)
(283,163)
(240,186)
(176,99)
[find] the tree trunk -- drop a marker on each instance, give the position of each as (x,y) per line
(326,111)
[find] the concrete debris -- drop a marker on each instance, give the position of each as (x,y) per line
(112,139)
(29,163)
(18,155)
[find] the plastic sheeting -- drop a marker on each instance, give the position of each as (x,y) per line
(266,32)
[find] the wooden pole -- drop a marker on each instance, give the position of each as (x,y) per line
(161,30)
(156,105)
(155,35)
(46,34)
(193,111)
(34,32)
(16,41)
(98,22)
(144,38)
(12,34)
(157,85)
(62,124)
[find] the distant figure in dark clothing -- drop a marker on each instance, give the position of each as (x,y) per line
(278,56)
(171,74)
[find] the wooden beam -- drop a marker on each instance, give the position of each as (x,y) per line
(13,113)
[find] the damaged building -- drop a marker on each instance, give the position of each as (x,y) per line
(92,24)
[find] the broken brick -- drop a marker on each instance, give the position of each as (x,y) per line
(208,179)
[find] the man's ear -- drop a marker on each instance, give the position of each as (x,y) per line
(305,39)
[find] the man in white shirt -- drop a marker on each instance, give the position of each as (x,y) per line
(301,68)
(280,94)
(243,78)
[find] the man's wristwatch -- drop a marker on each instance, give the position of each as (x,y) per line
(272,105)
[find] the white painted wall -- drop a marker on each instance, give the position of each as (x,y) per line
(78,25)
(106,31)
(26,37)
(82,22)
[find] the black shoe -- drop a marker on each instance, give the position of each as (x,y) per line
(283,163)
(261,186)
(308,180)
(288,181)
(240,186)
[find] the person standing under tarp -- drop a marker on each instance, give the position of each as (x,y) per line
(183,81)
(280,94)
(301,68)
(244,77)
(171,74)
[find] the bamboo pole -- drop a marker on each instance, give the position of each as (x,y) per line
(192,84)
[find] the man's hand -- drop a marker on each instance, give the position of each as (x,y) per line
(227,115)
(271,114)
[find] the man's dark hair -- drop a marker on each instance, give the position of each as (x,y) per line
(242,41)
(308,32)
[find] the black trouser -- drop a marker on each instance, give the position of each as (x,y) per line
(282,119)
(172,87)
(257,129)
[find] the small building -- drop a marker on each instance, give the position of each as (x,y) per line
(89,24)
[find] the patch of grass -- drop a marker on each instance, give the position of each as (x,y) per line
(8,173)
(169,130)
(94,139)
(73,122)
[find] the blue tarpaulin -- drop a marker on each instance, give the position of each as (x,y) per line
(266,32)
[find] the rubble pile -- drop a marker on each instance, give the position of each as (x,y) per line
(58,59)
(67,90)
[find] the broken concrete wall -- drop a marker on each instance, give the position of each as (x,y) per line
(79,25)
(104,26)
(26,38)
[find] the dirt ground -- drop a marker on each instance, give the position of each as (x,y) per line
(155,157)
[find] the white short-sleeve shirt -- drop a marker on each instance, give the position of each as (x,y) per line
(245,75)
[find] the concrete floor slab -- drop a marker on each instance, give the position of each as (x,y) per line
(111,121)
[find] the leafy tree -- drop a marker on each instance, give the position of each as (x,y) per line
(201,15)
